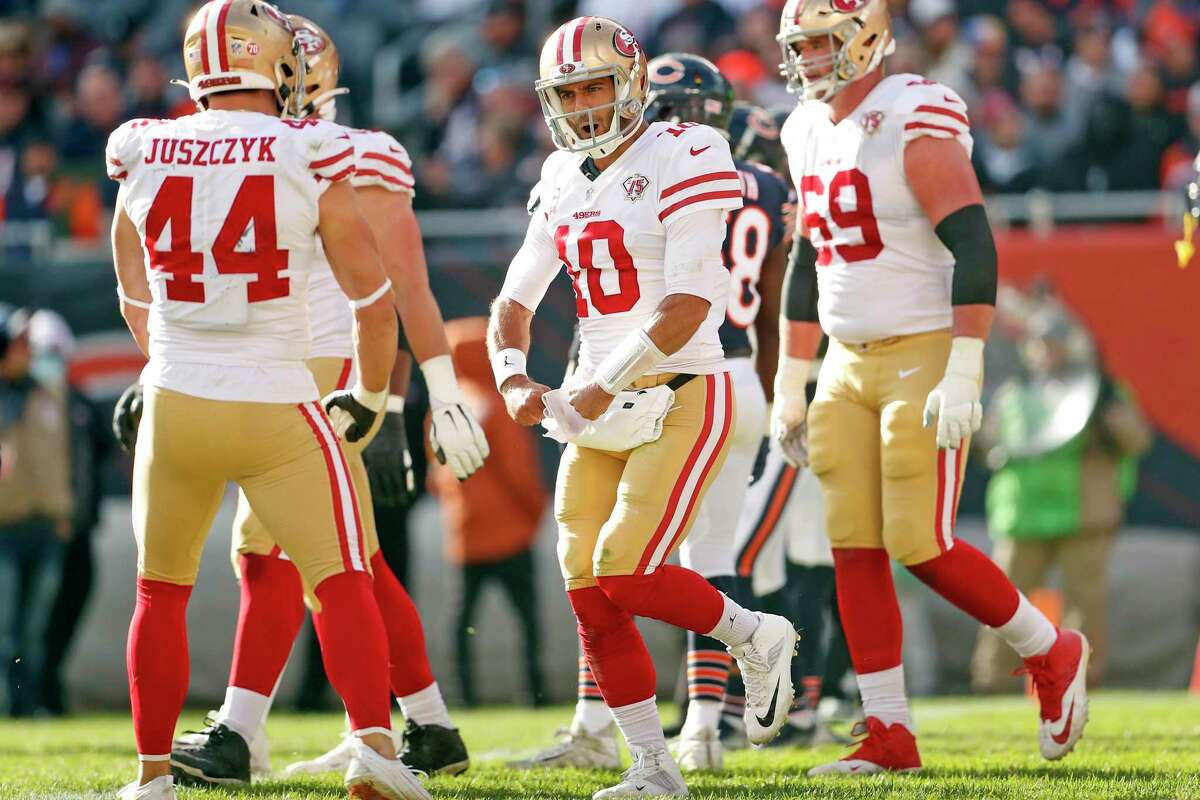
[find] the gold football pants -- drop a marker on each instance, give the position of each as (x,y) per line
(252,537)
(284,456)
(625,513)
(884,481)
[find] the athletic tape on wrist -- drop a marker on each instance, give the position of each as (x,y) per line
(634,356)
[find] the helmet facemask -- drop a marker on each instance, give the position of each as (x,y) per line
(627,111)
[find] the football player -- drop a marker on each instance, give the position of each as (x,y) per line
(272,604)
(214,243)
(635,212)
(894,259)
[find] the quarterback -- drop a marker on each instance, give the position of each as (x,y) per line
(272,607)
(894,259)
(214,242)
(634,211)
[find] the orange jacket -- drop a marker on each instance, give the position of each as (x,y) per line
(495,513)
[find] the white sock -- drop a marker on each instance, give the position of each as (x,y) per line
(427,707)
(702,715)
(244,711)
(591,716)
(640,725)
(736,625)
(1029,632)
(883,696)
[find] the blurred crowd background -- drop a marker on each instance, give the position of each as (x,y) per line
(1065,95)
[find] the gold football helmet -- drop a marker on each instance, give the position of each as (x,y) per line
(319,58)
(233,45)
(583,49)
(859,33)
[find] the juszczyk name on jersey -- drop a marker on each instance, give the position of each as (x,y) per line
(211,153)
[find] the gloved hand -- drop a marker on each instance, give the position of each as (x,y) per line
(455,436)
(353,411)
(789,415)
(389,464)
(127,416)
(954,402)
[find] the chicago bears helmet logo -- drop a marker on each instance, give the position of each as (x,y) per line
(668,70)
(847,6)
(311,42)
(625,43)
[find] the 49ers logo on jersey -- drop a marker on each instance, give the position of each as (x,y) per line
(847,6)
(625,43)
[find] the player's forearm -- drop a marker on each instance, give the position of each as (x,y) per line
(766,324)
(508,339)
(133,288)
(401,376)
(973,321)
(676,321)
(799,339)
(375,344)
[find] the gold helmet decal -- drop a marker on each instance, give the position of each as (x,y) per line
(585,49)
(321,66)
(235,45)
(859,33)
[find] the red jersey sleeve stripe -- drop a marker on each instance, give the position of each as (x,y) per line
(946,112)
(120,176)
(347,172)
(325,162)
(395,162)
(699,198)
(926,126)
(696,181)
(374,173)
(115,161)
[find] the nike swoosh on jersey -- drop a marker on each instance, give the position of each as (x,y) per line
(770,715)
(696,152)
(904,373)
(1062,736)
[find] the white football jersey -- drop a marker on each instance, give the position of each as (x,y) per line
(226,205)
(610,234)
(379,160)
(881,269)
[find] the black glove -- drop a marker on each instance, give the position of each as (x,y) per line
(389,465)
(760,462)
(127,415)
(351,419)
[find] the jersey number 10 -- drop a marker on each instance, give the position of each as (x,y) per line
(253,204)
(628,291)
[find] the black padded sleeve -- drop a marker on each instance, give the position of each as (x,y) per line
(800,282)
(968,236)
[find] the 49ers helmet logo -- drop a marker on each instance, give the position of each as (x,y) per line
(311,42)
(625,43)
(847,6)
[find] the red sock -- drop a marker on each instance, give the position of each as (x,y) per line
(675,595)
(354,648)
(618,657)
(868,607)
(972,582)
(409,662)
(269,618)
(156,660)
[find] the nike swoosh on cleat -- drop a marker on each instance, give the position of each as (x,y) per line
(697,151)
(640,788)
(1062,737)
(770,715)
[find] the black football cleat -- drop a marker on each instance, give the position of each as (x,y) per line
(216,755)
(434,750)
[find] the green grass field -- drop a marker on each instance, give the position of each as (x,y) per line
(1136,746)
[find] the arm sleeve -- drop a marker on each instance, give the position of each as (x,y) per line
(533,267)
(968,236)
(382,161)
(800,282)
(692,260)
(939,112)
(698,175)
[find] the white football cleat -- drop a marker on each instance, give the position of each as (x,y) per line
(579,749)
(766,665)
(653,774)
(335,760)
(260,756)
(1060,679)
(158,789)
(371,776)
(699,751)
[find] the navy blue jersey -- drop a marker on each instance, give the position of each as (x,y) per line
(752,232)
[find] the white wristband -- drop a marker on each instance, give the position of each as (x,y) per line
(506,363)
(373,296)
(635,355)
(372,400)
(132,302)
(395,404)
(441,380)
(791,377)
(966,357)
